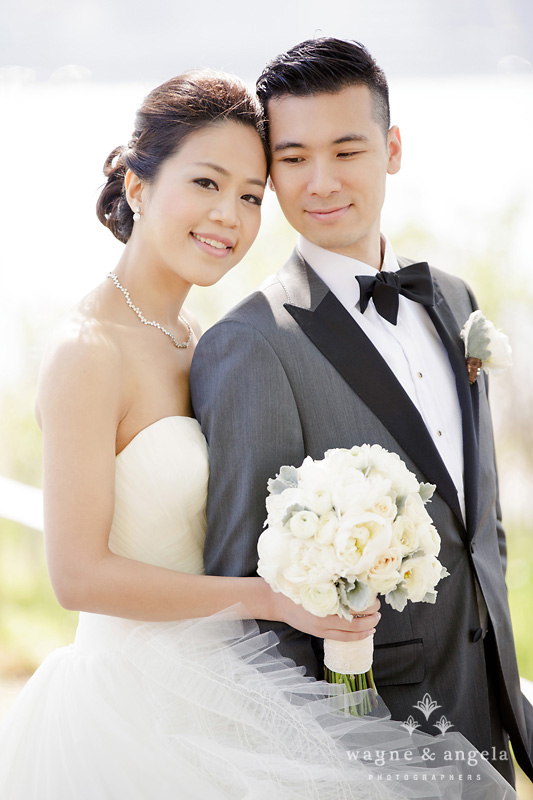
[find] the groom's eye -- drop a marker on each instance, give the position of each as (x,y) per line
(292,159)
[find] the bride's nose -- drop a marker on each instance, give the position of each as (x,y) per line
(225,211)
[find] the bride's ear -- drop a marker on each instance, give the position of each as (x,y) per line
(134,188)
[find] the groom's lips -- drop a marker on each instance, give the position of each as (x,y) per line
(327,214)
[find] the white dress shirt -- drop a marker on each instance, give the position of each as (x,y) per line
(412,349)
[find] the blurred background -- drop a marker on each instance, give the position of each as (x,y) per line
(71,76)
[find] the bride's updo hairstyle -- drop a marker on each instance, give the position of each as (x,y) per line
(169,114)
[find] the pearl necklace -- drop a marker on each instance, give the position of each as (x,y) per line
(145,321)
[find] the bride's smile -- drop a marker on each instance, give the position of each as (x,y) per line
(201,213)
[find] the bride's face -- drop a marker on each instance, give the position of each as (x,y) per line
(202,213)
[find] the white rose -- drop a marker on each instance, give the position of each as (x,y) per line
(328,526)
(359,541)
(385,507)
(383,576)
(429,539)
(303,524)
(420,575)
(405,535)
(321,600)
(415,510)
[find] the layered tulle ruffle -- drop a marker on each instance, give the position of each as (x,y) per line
(209,709)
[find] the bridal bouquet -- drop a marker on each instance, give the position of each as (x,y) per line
(342,530)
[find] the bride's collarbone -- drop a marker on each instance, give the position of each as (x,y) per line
(155,385)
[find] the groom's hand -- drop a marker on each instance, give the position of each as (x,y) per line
(330,627)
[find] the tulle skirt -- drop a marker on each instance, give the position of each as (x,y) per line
(209,709)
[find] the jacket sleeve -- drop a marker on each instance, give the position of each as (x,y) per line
(244,403)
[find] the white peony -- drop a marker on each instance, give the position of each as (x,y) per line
(391,466)
(311,563)
(274,550)
(360,540)
(349,490)
(320,599)
(314,480)
(405,535)
(341,459)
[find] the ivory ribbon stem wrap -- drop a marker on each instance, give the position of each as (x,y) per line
(349,658)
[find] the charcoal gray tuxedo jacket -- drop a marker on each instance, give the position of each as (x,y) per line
(289,373)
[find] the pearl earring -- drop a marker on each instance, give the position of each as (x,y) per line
(136,214)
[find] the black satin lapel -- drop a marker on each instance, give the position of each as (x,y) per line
(340,339)
(448,330)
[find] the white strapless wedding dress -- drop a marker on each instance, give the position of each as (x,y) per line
(201,708)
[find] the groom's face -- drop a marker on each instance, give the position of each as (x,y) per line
(330,159)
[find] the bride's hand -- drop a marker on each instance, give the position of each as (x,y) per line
(330,627)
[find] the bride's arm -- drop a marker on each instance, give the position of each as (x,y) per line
(79,407)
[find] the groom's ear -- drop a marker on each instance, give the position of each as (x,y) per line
(270,184)
(394,149)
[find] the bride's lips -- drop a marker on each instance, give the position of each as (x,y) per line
(328,214)
(215,245)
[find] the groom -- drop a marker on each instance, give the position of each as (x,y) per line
(325,356)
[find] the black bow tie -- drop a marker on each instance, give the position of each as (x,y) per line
(414,282)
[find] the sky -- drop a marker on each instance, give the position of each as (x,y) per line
(130,40)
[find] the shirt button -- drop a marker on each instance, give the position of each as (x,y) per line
(439,433)
(420,375)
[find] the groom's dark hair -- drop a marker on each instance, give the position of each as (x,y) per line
(324,65)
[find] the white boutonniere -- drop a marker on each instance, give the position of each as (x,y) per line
(485,347)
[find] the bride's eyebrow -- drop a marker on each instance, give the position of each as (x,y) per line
(222,171)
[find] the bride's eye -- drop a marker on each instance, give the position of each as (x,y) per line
(206,183)
(253,199)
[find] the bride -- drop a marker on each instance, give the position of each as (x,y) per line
(169,690)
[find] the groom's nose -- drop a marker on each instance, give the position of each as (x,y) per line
(322,179)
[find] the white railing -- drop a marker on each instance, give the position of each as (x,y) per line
(21,503)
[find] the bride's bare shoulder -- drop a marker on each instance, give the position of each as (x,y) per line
(82,358)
